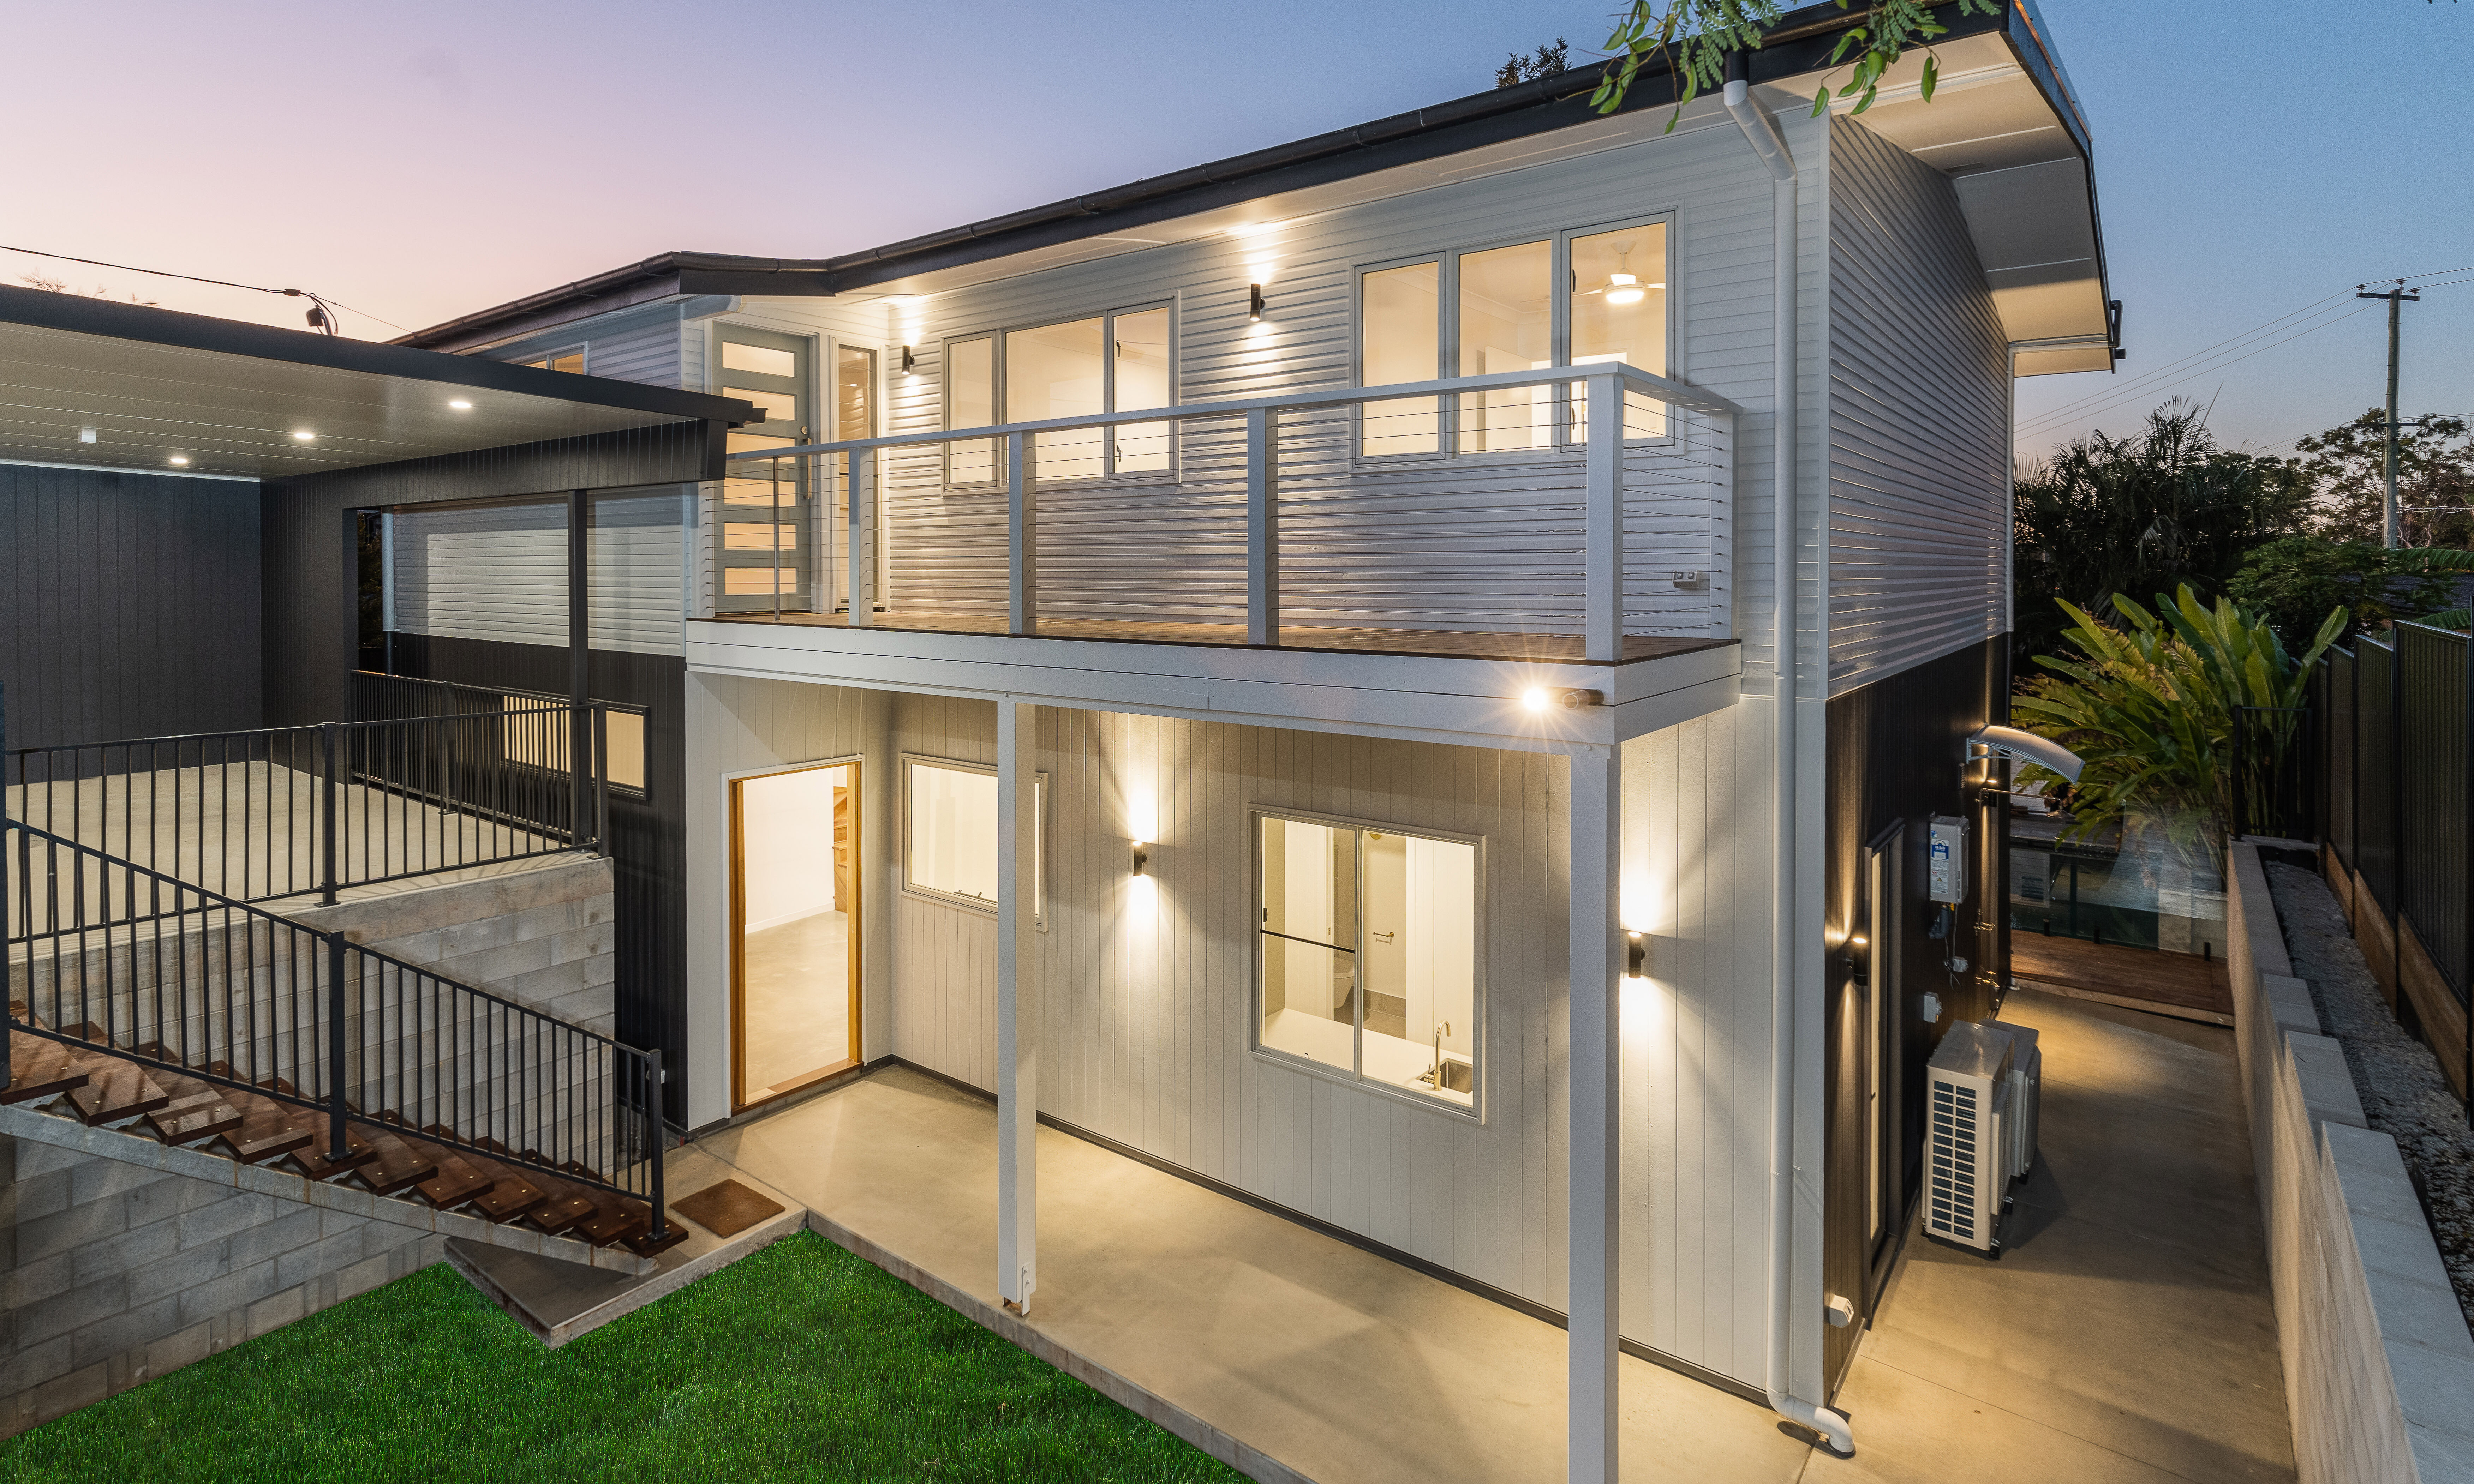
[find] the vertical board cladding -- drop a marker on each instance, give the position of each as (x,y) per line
(1919,420)
(499,572)
(1466,542)
(1146,1005)
(131,605)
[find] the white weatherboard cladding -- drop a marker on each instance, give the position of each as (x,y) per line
(1146,1033)
(630,346)
(499,573)
(1919,420)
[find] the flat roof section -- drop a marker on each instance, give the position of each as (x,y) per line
(89,382)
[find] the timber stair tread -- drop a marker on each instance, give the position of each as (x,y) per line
(39,1068)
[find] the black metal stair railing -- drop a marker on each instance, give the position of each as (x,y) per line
(112,956)
(276,812)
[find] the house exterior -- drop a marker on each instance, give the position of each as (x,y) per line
(1487,821)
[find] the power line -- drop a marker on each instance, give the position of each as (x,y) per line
(2063,415)
(324,303)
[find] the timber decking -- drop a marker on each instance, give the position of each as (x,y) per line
(1536,648)
(2173,984)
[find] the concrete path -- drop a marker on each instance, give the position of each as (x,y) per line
(2125,1335)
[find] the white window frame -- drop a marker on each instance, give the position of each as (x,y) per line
(1447,328)
(1040,842)
(1107,318)
(1350,1075)
(583,348)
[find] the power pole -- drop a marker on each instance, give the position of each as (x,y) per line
(2392,533)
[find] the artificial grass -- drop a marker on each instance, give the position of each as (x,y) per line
(800,1362)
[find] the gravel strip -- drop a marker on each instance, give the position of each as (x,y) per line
(2404,1095)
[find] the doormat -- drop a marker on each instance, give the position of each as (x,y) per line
(726,1209)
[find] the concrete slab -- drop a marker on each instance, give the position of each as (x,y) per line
(559,1301)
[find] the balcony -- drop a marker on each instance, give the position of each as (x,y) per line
(1568,515)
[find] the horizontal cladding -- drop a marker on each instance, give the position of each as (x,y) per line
(642,347)
(1919,420)
(1146,1033)
(499,573)
(1448,543)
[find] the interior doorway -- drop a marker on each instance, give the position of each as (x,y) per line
(795,933)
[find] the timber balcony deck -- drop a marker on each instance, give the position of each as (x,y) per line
(143,1090)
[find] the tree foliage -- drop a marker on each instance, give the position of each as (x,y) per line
(2161,507)
(1550,61)
(2150,707)
(2346,466)
(2295,579)
(1694,37)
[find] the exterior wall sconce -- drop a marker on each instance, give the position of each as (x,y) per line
(910,361)
(1636,955)
(1142,857)
(1858,962)
(1254,301)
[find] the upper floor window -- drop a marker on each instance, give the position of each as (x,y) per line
(1484,311)
(561,361)
(1123,361)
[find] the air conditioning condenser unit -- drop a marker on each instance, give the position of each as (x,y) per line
(1967,1106)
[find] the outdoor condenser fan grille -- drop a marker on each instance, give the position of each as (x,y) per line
(1953,1162)
(1967,1094)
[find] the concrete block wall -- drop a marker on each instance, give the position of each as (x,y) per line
(2379,1367)
(115,1273)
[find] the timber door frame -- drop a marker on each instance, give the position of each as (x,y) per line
(736,857)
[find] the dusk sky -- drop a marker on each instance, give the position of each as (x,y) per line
(420,163)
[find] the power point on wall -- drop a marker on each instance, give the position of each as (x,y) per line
(1930,1005)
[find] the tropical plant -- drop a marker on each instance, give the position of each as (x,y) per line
(2153,708)
(1695,37)
(2295,579)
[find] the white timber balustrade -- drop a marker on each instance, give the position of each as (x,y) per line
(1592,503)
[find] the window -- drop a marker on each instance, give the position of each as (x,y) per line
(1506,315)
(535,736)
(949,834)
(1367,954)
(1123,361)
(561,361)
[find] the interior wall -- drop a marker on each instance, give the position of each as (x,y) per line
(1146,1014)
(129,604)
(787,845)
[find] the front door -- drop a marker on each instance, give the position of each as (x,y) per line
(795,929)
(767,516)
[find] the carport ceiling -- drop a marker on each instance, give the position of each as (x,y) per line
(84,381)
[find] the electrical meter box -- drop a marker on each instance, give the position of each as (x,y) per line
(1946,863)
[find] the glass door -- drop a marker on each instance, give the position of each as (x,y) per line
(795,929)
(854,418)
(767,516)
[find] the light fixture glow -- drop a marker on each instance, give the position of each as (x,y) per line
(1535,698)
(1624,289)
(1142,857)
(1254,301)
(1636,955)
(305,436)
(180,458)
(460,405)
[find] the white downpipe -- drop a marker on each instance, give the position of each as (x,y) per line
(1761,131)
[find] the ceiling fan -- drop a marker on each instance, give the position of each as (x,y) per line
(1622,286)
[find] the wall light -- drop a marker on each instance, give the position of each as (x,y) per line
(1254,301)
(180,458)
(460,405)
(1539,699)
(305,436)
(1535,698)
(1636,955)
(910,361)
(1142,857)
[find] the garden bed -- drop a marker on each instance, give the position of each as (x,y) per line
(2402,1090)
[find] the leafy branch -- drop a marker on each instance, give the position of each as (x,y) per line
(1693,37)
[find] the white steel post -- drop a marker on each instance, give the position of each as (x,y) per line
(862,586)
(1261,526)
(1602,525)
(1022,519)
(1597,965)
(1017,1005)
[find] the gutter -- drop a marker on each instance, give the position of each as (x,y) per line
(1762,132)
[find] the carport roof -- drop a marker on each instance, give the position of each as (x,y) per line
(89,382)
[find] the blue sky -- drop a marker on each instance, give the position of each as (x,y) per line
(418,162)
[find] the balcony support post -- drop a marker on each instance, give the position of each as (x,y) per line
(861,588)
(1594,1402)
(1022,520)
(1602,524)
(1261,526)
(1017,1004)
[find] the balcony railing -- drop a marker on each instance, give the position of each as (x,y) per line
(1586,506)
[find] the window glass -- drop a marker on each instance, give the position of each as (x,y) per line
(1139,348)
(1507,323)
(1368,954)
(1054,372)
(765,360)
(971,402)
(951,844)
(854,394)
(563,361)
(781,408)
(1400,333)
(1619,313)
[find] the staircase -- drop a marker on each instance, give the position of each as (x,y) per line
(143,1004)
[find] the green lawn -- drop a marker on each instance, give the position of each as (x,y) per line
(801,1362)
